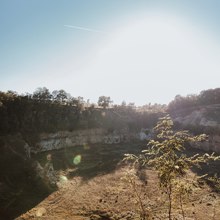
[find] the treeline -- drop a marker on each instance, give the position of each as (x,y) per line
(44,111)
(206,97)
(27,114)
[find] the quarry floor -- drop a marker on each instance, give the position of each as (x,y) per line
(99,188)
(111,196)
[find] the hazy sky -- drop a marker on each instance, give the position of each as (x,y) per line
(137,51)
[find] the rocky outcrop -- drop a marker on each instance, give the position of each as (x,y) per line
(64,139)
(212,144)
(205,119)
(197,118)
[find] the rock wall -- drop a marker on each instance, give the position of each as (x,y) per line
(208,119)
(197,118)
(212,144)
(64,139)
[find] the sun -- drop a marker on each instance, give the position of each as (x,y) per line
(156,57)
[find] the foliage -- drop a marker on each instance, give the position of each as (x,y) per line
(60,96)
(165,155)
(42,94)
(130,178)
(104,101)
(215,181)
(206,97)
(43,111)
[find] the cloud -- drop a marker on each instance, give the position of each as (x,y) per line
(84,29)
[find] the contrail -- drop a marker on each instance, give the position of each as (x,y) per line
(84,29)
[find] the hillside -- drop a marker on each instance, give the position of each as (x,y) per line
(98,189)
(35,126)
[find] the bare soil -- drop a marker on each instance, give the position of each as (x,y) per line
(111,196)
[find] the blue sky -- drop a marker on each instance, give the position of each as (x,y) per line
(137,51)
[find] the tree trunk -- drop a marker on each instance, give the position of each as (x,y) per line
(181,205)
(170,201)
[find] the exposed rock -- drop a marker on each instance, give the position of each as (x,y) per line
(208,123)
(40,212)
(63,139)
(197,118)
(212,144)
(112,139)
(206,119)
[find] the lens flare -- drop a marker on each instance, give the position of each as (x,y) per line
(77,159)
(63,178)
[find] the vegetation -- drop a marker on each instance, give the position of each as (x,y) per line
(206,97)
(104,101)
(130,178)
(25,116)
(43,111)
(165,155)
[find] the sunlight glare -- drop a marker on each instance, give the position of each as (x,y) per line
(63,178)
(155,53)
(77,159)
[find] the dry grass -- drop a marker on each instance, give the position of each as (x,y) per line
(111,196)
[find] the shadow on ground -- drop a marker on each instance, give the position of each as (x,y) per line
(210,169)
(21,190)
(88,161)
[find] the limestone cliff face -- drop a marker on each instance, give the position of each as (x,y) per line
(197,118)
(206,118)
(64,139)
(212,144)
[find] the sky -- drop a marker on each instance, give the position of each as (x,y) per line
(141,51)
